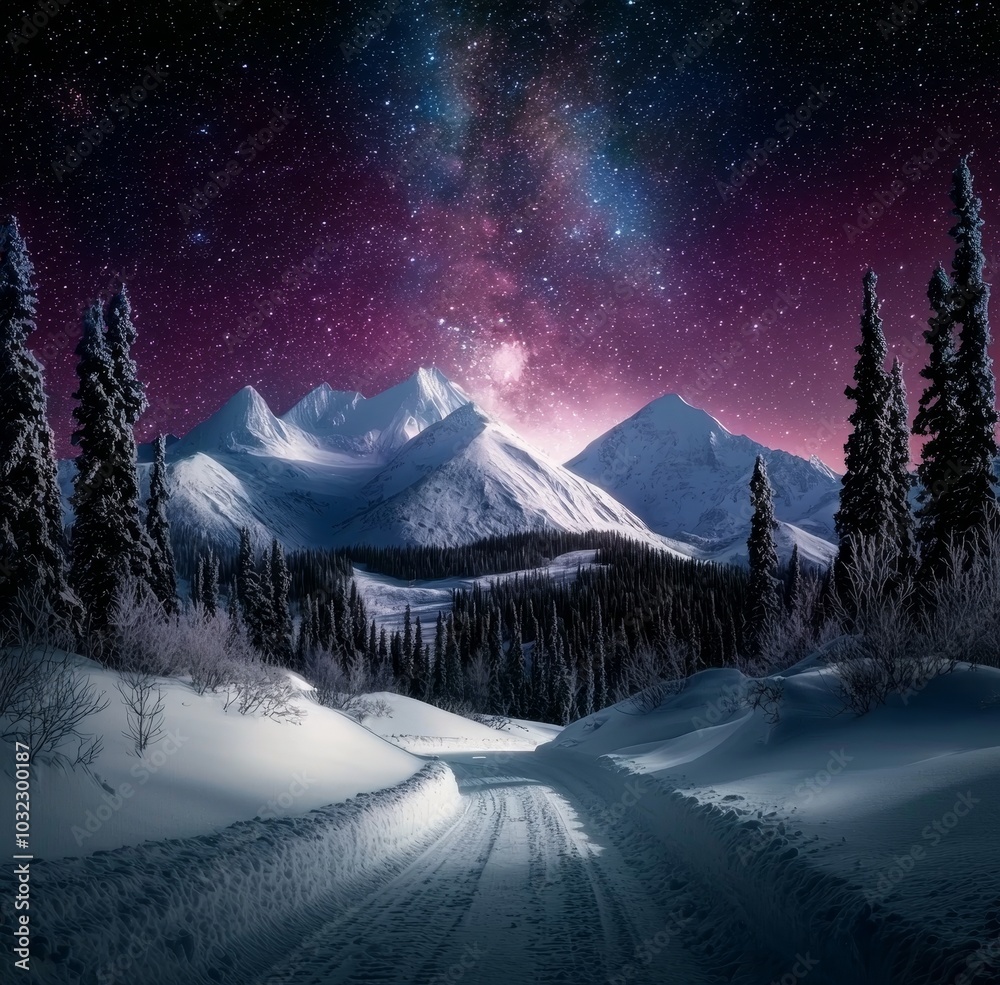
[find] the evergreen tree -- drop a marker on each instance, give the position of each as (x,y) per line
(439,685)
(764,602)
(280,608)
(197,580)
(899,469)
(130,401)
(974,492)
(31,520)
(865,496)
(421,668)
(453,684)
(103,546)
(793,583)
(162,575)
(210,584)
(937,419)
(499,687)
(515,670)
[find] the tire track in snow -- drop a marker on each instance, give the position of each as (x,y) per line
(514,891)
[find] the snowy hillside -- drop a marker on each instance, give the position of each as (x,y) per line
(823,825)
(687,477)
(211,768)
(469,476)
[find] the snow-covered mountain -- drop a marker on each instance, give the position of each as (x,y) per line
(688,478)
(416,464)
(470,474)
(420,463)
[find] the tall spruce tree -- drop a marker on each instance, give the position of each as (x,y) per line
(162,573)
(103,545)
(280,606)
(937,419)
(764,601)
(975,493)
(31,520)
(868,481)
(130,401)
(899,467)
(793,583)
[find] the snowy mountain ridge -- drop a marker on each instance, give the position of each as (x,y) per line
(421,463)
(687,477)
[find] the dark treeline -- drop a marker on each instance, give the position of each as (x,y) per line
(528,645)
(489,556)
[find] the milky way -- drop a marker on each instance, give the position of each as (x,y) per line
(541,200)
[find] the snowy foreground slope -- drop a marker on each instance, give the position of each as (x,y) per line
(868,843)
(696,842)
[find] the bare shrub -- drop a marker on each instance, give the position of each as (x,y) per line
(143,700)
(45,703)
(259,688)
(347,688)
(649,675)
(767,695)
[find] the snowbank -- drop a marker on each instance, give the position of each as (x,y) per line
(867,843)
(424,729)
(213,908)
(210,769)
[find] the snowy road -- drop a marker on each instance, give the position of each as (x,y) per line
(523,887)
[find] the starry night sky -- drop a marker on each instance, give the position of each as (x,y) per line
(526,195)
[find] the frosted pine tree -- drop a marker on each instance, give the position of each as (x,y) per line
(162,574)
(937,419)
(103,543)
(31,520)
(281,610)
(764,599)
(864,512)
(793,584)
(899,466)
(974,486)
(130,402)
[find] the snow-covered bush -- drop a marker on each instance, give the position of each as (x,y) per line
(346,688)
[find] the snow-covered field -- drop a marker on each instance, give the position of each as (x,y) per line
(697,841)
(424,729)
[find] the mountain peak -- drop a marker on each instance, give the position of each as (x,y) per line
(244,423)
(672,412)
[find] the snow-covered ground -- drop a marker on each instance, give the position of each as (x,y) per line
(868,842)
(209,769)
(695,842)
(422,728)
